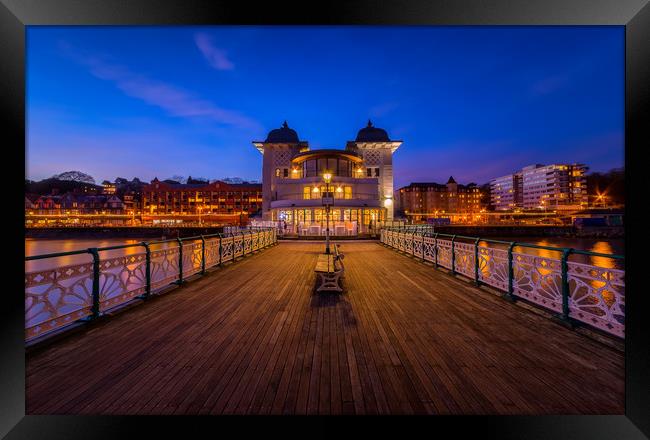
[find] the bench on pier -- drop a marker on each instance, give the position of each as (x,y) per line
(329,270)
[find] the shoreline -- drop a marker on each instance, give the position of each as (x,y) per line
(613,232)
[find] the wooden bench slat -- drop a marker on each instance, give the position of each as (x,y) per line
(330,268)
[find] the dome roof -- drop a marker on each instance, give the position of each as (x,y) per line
(282,135)
(372,134)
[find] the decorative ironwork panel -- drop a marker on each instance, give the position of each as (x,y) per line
(211,252)
(597,296)
(238,246)
(464,258)
(164,267)
(227,248)
(493,267)
(121,279)
(429,249)
(408,243)
(57,297)
(538,279)
(400,241)
(191,258)
(247,243)
(418,246)
(255,241)
(444,253)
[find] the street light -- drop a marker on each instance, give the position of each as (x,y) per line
(327,177)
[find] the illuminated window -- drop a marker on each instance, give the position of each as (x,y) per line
(348,192)
(277,172)
(306,193)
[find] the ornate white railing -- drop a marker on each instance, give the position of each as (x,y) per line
(59,296)
(577,292)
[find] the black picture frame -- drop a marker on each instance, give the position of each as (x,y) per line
(633,14)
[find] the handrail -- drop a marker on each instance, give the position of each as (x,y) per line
(141,271)
(528,245)
(526,274)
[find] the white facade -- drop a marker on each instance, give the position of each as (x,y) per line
(556,186)
(361,185)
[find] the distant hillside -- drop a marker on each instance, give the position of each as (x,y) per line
(57,186)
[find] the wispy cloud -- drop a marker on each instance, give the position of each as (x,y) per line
(215,56)
(174,100)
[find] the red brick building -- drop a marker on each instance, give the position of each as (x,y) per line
(161,197)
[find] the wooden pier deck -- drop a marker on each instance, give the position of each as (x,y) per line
(252,338)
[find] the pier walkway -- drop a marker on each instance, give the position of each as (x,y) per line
(253,338)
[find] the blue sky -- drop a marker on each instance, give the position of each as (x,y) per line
(472,102)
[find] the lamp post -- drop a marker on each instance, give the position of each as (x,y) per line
(327,177)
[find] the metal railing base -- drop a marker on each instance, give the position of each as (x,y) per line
(509,297)
(564,321)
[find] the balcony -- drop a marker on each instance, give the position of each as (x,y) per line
(360,200)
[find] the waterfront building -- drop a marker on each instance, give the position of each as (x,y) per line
(108,187)
(361,185)
(29,204)
(506,192)
(161,197)
(545,187)
(422,200)
(75,203)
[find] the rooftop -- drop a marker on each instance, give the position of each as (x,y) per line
(370,133)
(283,134)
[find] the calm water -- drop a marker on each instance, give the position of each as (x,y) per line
(39,246)
(602,246)
(34,246)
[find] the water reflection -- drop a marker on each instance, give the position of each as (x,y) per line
(45,246)
(614,246)
(603,247)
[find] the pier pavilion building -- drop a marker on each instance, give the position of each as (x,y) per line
(361,185)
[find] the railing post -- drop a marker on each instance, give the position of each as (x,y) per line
(413,243)
(202,255)
(565,284)
(220,249)
(425,234)
(478,283)
(180,260)
(453,255)
(509,295)
(243,244)
(435,249)
(147,273)
(95,308)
